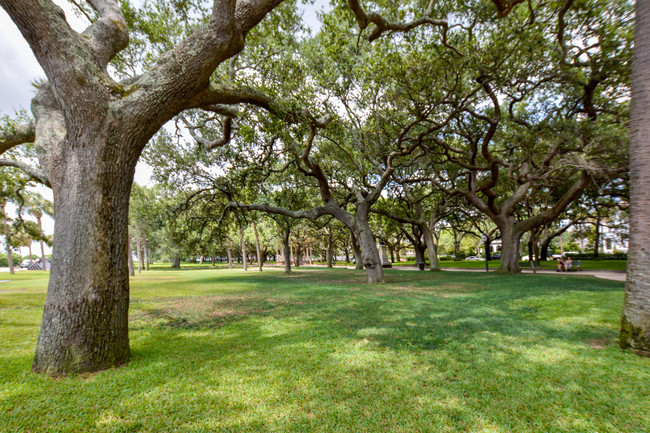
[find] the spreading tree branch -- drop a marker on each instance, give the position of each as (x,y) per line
(382,25)
(24,133)
(36,174)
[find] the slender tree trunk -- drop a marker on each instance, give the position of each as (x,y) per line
(30,252)
(458,239)
(243,247)
(130,255)
(257,247)
(229,253)
(597,239)
(287,249)
(329,247)
(635,318)
(533,246)
(146,252)
(138,246)
(39,220)
(10,258)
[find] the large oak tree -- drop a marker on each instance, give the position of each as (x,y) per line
(90,130)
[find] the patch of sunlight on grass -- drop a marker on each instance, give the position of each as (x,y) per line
(543,354)
(230,351)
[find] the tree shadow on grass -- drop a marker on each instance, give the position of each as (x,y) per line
(420,353)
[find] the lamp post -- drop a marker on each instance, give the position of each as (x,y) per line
(485,247)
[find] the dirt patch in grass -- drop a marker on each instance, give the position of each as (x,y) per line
(443,291)
(210,311)
(600,343)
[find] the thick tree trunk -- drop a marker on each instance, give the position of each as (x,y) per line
(90,132)
(86,329)
(510,240)
(369,253)
(419,254)
(358,257)
(432,248)
(635,318)
(297,255)
(176,262)
(543,254)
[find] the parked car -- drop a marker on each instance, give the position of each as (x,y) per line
(473,258)
(37,265)
(25,263)
(496,256)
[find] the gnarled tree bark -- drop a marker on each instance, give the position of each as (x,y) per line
(90,131)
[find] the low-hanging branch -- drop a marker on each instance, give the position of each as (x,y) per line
(35,173)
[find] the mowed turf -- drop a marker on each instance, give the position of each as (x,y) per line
(320,351)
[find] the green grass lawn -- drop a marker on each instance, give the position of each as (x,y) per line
(320,351)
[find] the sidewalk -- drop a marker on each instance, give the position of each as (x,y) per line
(607,275)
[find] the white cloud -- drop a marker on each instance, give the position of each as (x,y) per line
(19,67)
